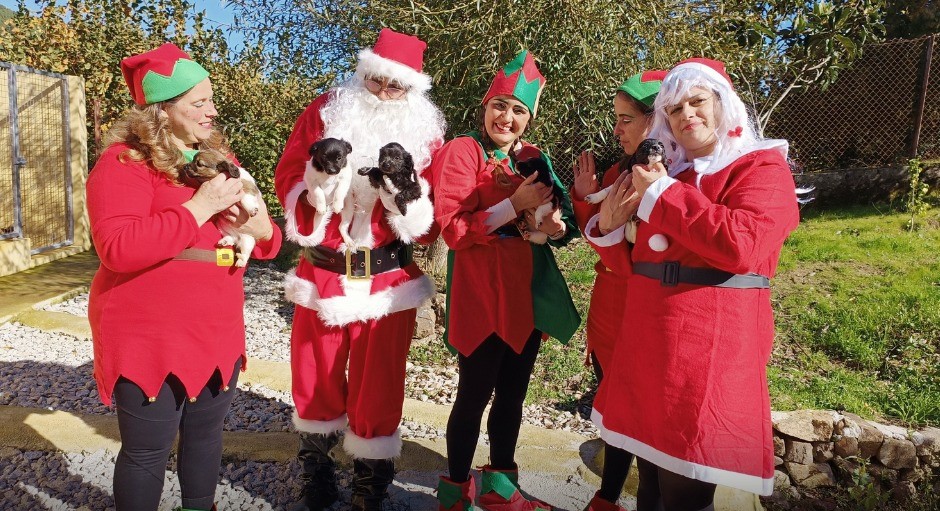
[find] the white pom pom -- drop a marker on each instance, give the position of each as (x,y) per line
(658,242)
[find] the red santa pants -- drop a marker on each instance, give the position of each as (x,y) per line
(370,396)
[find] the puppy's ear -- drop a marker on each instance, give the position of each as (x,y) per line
(228,168)
(409,161)
(314,148)
(348,146)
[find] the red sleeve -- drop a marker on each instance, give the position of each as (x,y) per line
(269,248)
(128,236)
(307,130)
(456,203)
(428,175)
(756,212)
(615,257)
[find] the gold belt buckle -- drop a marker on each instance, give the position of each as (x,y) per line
(224,256)
(366,264)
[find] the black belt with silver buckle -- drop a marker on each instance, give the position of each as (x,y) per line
(671,273)
(361,263)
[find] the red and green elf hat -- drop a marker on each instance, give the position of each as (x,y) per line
(521,79)
(161,74)
(644,86)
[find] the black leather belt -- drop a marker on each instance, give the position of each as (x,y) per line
(361,263)
(671,273)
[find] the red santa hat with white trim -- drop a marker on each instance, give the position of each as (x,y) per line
(398,57)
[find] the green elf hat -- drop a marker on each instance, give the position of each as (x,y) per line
(521,79)
(644,86)
(161,74)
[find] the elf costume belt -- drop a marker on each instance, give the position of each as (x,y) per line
(671,273)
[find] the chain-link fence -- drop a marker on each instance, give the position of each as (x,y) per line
(35,166)
(881,112)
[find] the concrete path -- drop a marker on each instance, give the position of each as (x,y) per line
(557,466)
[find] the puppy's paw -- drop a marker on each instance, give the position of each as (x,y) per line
(227,241)
(597,197)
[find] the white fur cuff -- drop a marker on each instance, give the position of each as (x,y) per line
(320,427)
(612,238)
(375,448)
(418,219)
(291,231)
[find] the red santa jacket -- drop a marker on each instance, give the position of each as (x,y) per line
(152,315)
(336,300)
(690,393)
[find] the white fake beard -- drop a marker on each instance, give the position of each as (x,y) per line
(356,115)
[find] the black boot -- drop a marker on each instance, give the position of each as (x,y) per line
(319,472)
(370,483)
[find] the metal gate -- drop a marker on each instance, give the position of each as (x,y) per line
(35,166)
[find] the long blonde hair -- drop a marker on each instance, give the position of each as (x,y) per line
(147,135)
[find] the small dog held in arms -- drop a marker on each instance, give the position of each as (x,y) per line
(650,151)
(395,175)
(206,165)
(328,174)
(525,168)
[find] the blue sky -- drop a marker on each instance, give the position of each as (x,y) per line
(217,13)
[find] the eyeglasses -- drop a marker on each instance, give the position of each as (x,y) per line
(392,90)
(694,102)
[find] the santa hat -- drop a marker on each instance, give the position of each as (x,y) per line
(161,74)
(521,79)
(714,69)
(644,86)
(398,57)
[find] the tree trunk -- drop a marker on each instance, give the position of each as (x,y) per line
(437,258)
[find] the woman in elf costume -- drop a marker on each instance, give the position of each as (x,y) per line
(166,306)
(505,293)
(690,396)
(633,105)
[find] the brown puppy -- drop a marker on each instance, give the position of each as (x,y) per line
(206,165)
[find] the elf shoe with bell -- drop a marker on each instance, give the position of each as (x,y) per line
(500,492)
(599,504)
(453,496)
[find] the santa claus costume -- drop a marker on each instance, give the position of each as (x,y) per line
(504,290)
(356,305)
(690,395)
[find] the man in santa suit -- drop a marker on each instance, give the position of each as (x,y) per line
(356,305)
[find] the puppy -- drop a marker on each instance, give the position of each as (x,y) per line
(649,152)
(328,174)
(395,175)
(206,165)
(525,168)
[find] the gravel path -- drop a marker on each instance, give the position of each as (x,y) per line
(48,480)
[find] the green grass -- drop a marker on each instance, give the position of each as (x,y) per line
(857,305)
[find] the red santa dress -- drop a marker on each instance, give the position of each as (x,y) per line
(690,394)
(150,314)
(367,324)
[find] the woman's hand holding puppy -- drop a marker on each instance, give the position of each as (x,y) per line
(258,227)
(646,175)
(619,206)
(530,195)
(214,196)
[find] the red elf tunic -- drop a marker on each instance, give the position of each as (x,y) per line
(502,285)
(609,293)
(152,315)
(692,397)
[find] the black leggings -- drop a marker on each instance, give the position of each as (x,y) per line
(492,367)
(616,460)
(678,493)
(147,433)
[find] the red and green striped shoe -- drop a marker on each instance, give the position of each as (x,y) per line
(453,496)
(500,492)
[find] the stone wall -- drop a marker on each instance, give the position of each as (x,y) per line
(862,186)
(818,448)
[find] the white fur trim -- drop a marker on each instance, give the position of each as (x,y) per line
(418,219)
(358,304)
(375,448)
(290,220)
(651,196)
(371,64)
(710,71)
(746,482)
(612,238)
(320,427)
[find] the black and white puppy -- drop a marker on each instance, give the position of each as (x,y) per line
(328,174)
(525,168)
(395,175)
(649,151)
(206,165)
